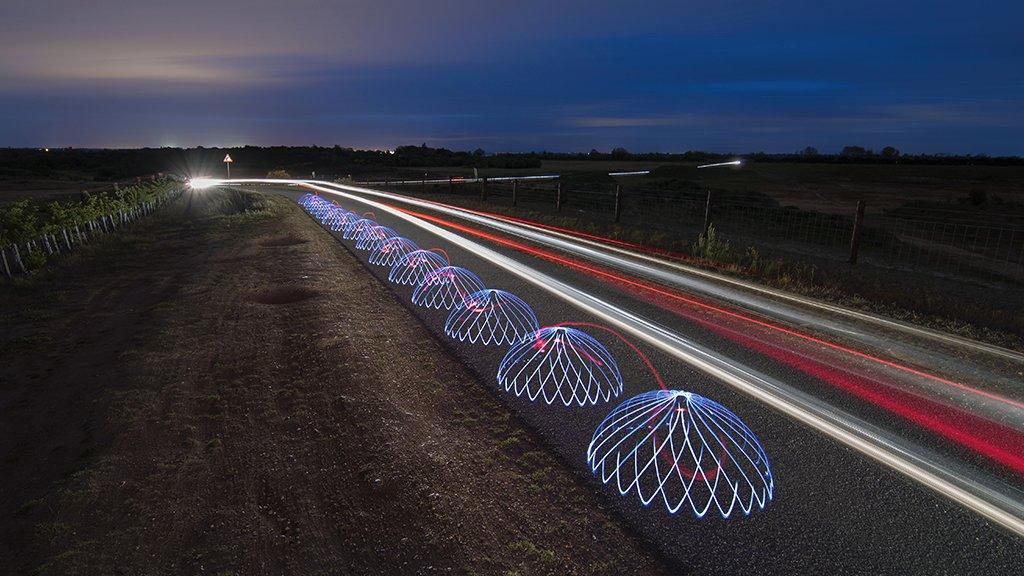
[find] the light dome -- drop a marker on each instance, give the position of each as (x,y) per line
(491,317)
(683,450)
(356,227)
(392,250)
(371,237)
(446,287)
(562,365)
(412,268)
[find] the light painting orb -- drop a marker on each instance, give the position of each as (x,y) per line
(682,450)
(411,269)
(356,227)
(446,287)
(491,317)
(392,250)
(561,365)
(372,237)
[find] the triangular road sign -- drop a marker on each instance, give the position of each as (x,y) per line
(227,158)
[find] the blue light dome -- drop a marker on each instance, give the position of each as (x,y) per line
(413,268)
(560,365)
(356,227)
(491,317)
(371,237)
(446,287)
(392,250)
(683,450)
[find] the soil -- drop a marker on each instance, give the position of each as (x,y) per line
(224,389)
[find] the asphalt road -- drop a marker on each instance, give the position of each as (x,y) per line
(838,507)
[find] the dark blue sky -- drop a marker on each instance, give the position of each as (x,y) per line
(527,75)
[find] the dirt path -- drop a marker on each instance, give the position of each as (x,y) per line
(233,393)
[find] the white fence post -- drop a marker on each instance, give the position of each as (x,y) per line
(17,258)
(3,256)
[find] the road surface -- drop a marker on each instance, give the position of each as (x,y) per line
(887,459)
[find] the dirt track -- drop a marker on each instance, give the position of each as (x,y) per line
(232,393)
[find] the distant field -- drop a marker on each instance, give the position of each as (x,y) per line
(828,187)
(832,188)
(820,187)
(46,190)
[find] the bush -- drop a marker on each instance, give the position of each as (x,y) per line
(710,247)
(33,260)
(26,220)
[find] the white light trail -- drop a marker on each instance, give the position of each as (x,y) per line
(717,164)
(916,462)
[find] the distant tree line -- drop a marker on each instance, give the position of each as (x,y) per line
(848,155)
(120,164)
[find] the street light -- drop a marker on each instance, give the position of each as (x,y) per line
(707,202)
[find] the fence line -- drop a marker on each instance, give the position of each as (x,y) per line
(936,241)
(74,236)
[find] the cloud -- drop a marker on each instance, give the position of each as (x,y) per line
(135,71)
(637,121)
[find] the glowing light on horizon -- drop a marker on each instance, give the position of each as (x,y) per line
(201,183)
(491,317)
(683,450)
(446,287)
(561,364)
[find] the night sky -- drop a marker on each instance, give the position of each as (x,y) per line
(515,75)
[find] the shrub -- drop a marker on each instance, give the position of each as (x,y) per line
(33,260)
(709,246)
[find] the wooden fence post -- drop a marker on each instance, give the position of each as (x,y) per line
(483,189)
(558,197)
(858,222)
(514,187)
(707,214)
(451,188)
(618,202)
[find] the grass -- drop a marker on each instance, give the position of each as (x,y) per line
(533,552)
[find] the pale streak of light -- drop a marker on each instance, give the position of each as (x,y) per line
(458,180)
(832,308)
(1001,409)
(461,180)
(915,462)
(716,164)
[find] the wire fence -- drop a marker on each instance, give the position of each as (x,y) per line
(20,257)
(951,243)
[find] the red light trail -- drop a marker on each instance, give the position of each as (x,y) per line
(998,442)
